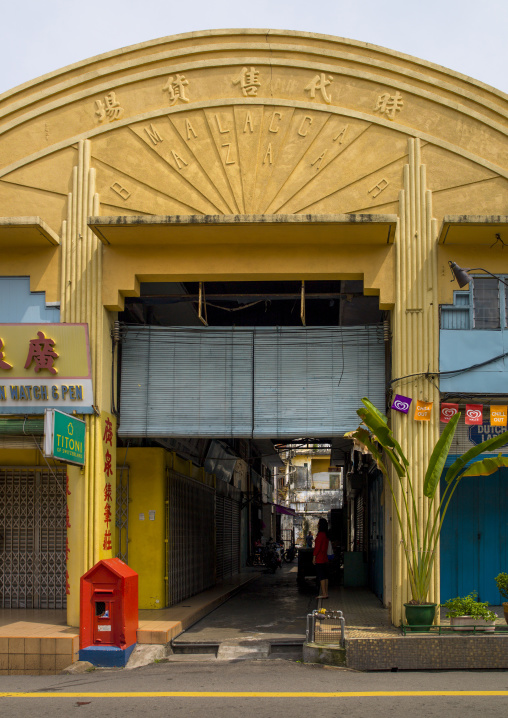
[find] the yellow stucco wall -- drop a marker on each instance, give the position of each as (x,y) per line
(319,465)
(147,492)
(20,457)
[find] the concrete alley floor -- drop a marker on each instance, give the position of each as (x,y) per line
(270,608)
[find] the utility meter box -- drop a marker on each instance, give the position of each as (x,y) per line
(108,613)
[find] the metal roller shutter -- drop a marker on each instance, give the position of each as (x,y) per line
(227,531)
(263,382)
(311,381)
(219,537)
(182,383)
(191,549)
(32,537)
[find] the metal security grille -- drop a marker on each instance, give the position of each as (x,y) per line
(122,513)
(191,537)
(248,382)
(32,537)
(360,524)
(227,536)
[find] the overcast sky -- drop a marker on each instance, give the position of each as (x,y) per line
(469,36)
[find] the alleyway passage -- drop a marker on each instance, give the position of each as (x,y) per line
(269,609)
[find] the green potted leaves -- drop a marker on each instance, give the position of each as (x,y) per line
(502,586)
(420,527)
(466,613)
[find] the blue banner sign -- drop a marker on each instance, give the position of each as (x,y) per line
(478,434)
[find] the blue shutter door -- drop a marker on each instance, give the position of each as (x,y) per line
(474,539)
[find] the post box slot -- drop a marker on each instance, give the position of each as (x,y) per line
(100,609)
(103,590)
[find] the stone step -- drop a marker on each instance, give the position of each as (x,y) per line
(236,649)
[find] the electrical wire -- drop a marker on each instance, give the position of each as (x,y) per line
(451,372)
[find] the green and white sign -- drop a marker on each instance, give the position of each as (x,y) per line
(64,437)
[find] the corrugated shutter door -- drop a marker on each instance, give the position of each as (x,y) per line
(360,524)
(227,528)
(263,382)
(32,537)
(190,537)
(219,537)
(235,536)
(187,382)
(311,381)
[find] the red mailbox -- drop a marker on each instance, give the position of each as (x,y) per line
(108,613)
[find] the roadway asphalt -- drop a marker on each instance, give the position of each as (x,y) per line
(294,689)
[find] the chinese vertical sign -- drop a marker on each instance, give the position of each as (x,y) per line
(67,527)
(107,485)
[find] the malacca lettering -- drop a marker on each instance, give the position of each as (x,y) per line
(42,392)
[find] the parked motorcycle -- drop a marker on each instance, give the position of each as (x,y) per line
(271,557)
(290,553)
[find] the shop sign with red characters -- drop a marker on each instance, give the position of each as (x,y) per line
(108,466)
(45,366)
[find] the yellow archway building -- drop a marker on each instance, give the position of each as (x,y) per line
(250,154)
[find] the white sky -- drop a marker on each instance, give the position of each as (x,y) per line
(469,36)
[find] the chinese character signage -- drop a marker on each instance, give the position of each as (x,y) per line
(108,484)
(45,366)
(64,437)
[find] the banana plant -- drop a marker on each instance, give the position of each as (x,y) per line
(420,535)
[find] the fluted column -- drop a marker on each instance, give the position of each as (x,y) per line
(91,490)
(415,350)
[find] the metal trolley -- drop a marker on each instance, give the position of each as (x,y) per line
(326,627)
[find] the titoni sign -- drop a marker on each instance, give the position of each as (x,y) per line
(64,437)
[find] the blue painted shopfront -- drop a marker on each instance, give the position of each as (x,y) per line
(474,539)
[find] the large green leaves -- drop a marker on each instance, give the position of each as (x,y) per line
(487,466)
(377,423)
(363,437)
(438,457)
(490,445)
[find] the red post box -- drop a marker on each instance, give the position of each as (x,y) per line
(108,613)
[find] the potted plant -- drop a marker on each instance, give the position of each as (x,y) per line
(466,613)
(502,586)
(420,529)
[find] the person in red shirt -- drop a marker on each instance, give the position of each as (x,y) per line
(320,557)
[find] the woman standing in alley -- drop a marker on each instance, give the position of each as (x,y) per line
(320,557)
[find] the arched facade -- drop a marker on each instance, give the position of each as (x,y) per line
(251,154)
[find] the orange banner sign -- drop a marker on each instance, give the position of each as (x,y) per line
(423,410)
(498,415)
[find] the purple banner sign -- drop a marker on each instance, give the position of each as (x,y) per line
(401,403)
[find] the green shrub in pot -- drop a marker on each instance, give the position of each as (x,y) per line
(468,606)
